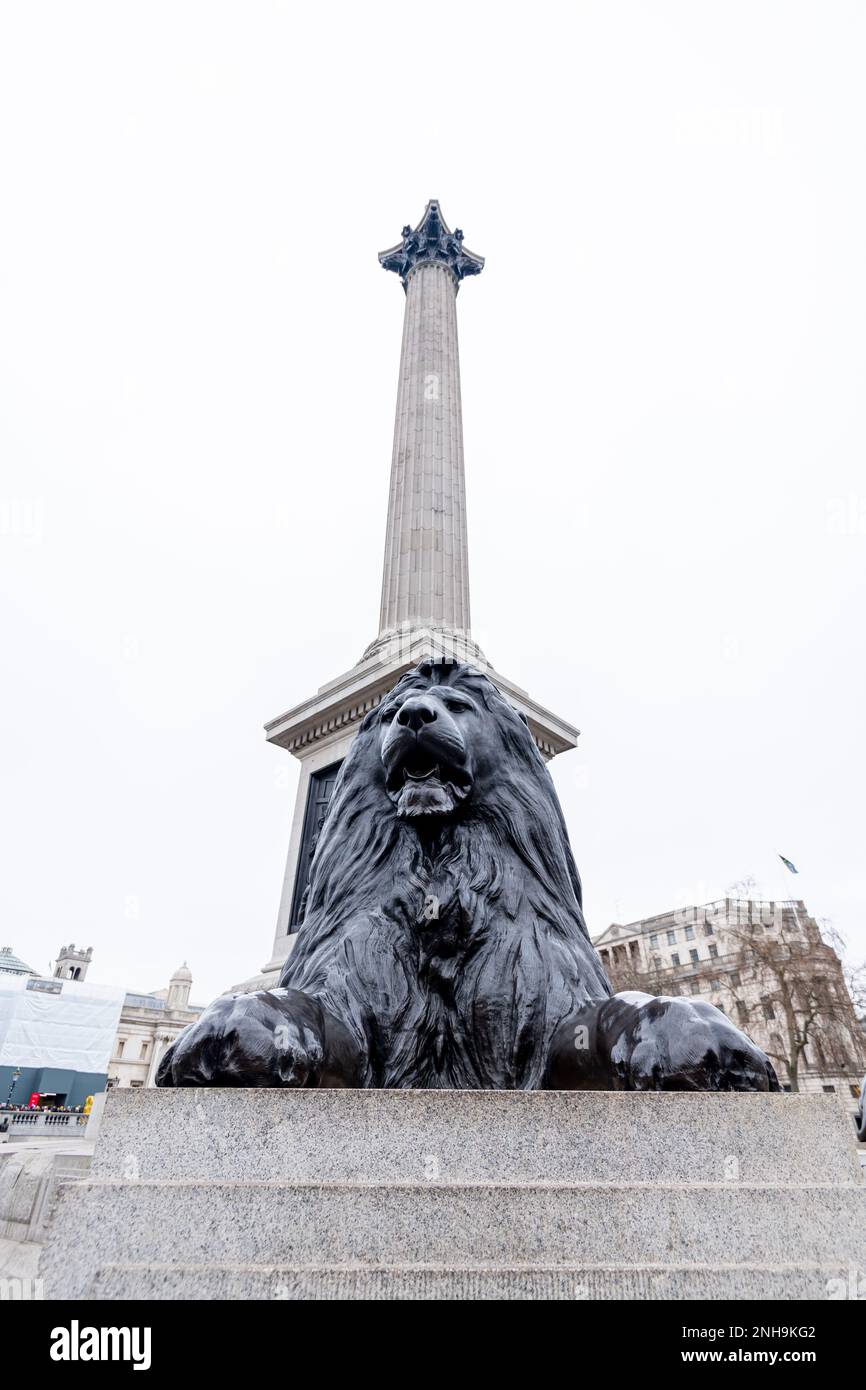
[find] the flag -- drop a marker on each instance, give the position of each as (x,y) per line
(788,865)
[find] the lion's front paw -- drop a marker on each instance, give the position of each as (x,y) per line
(687,1045)
(272,1038)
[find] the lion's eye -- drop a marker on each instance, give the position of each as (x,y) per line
(388,715)
(455,705)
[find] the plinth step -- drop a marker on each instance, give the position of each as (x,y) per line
(453,1226)
(475,1136)
(427,1283)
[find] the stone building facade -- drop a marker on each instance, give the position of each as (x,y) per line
(149,1023)
(768,966)
(72,962)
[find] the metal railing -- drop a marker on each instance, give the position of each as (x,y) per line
(37,1121)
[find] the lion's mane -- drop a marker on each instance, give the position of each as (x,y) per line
(472,997)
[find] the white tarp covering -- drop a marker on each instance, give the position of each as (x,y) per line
(73,1028)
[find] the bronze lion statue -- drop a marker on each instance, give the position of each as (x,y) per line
(443,943)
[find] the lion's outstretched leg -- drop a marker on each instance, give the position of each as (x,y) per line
(278,1037)
(636,1042)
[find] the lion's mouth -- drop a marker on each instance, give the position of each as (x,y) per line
(419,767)
(424,784)
(416,771)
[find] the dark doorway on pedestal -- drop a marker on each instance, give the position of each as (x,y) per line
(319,793)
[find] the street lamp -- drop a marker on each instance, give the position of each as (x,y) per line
(16,1076)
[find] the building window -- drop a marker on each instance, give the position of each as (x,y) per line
(657,962)
(769,1011)
(708,928)
(714,951)
(143,1051)
(830,1090)
(742,1011)
(735,977)
(693,957)
(654,939)
(134,1084)
(695,987)
(690,933)
(672,938)
(714,985)
(121,1043)
(675,960)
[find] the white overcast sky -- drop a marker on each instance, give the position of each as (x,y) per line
(663,380)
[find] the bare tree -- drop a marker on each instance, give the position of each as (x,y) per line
(790,975)
(855,979)
(626,973)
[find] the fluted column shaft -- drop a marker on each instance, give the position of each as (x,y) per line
(425,580)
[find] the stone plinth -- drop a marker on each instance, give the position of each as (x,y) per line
(440,1194)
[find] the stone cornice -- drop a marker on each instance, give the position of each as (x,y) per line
(336,707)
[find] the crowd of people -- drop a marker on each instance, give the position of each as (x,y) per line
(14,1108)
(12,1114)
(7,1106)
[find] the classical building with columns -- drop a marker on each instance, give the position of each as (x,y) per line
(149,1023)
(424,610)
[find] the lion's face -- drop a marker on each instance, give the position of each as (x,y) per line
(427,744)
(440,742)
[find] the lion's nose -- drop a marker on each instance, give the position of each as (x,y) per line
(415,712)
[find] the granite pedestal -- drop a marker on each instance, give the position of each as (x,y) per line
(281,1194)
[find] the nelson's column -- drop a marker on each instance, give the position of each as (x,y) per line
(425,582)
